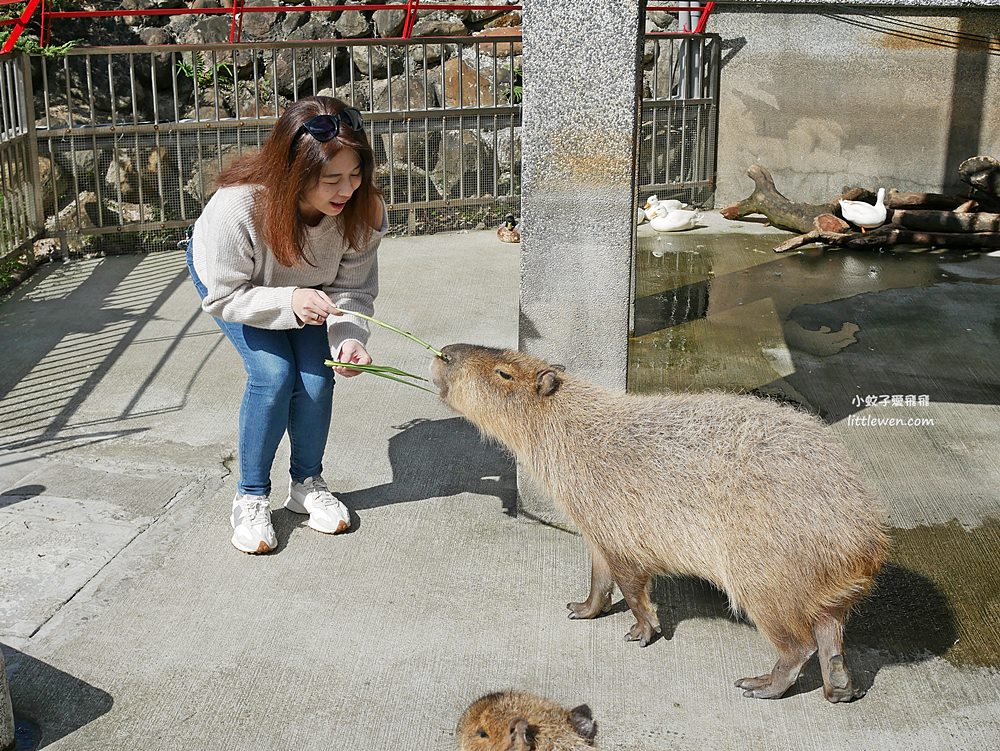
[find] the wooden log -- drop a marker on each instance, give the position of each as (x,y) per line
(781,212)
(890,235)
(946,221)
(982,173)
(897,199)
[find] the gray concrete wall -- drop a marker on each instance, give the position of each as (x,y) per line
(579,115)
(875,96)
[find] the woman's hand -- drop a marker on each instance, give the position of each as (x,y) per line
(311,306)
(352,351)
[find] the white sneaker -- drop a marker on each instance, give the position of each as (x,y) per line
(251,520)
(313,497)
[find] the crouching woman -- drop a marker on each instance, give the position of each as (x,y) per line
(280,256)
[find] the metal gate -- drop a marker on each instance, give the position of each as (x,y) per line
(20,203)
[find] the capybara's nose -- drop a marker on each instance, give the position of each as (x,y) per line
(453,352)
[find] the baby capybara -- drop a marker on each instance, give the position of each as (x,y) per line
(517,721)
(754,496)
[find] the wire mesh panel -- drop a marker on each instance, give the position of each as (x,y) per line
(680,114)
(140,134)
(20,210)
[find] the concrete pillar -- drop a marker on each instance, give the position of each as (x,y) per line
(6,711)
(580,111)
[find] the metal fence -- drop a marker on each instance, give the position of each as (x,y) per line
(20,204)
(680,117)
(137,135)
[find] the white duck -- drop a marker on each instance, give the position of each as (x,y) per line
(649,208)
(672,204)
(865,215)
(675,221)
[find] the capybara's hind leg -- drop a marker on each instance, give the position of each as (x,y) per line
(601,584)
(635,588)
(837,683)
(786,671)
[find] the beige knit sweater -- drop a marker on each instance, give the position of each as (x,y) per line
(246,284)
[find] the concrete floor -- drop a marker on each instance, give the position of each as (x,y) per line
(129,622)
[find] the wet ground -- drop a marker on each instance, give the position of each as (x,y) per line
(859,338)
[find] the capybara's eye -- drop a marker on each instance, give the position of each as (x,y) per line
(505,376)
(482,733)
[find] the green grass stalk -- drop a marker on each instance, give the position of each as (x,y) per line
(407,334)
(382,371)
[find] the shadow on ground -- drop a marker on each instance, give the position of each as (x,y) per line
(906,619)
(56,702)
(437,459)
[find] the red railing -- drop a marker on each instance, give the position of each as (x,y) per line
(237,10)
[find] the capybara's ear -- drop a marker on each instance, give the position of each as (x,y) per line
(560,368)
(546,382)
(519,738)
(583,721)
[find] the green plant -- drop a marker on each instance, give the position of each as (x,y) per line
(514,88)
(13,271)
(198,70)
(30,45)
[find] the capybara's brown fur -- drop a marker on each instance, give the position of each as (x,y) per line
(518,721)
(754,496)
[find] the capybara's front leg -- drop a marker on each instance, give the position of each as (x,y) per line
(635,588)
(601,584)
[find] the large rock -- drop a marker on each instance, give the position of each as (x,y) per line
(155,36)
(399,94)
(121,176)
(258,26)
(476,17)
(502,49)
(132,20)
(353,25)
(439,23)
(307,59)
(389,23)
(204,173)
(52,182)
(356,94)
(377,60)
(462,85)
(662,19)
(460,152)
(202,29)
(76,217)
(430,54)
(510,18)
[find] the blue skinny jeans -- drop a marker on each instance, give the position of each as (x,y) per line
(288,389)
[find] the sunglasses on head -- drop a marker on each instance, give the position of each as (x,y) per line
(326,127)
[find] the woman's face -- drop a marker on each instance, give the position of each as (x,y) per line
(338,180)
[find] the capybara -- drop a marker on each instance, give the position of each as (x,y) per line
(754,496)
(518,721)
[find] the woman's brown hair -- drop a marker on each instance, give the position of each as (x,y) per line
(285,176)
